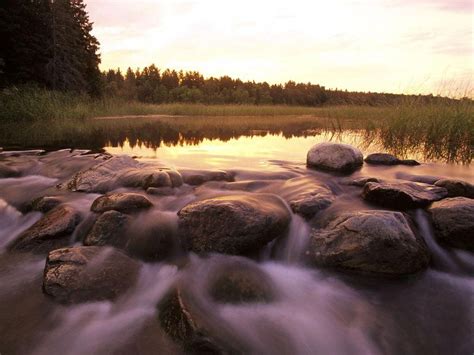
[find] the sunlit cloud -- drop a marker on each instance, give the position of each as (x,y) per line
(370,45)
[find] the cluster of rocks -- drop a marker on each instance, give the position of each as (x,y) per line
(382,241)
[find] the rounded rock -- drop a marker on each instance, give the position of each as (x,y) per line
(337,157)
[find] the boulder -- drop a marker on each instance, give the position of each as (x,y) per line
(379,242)
(388,159)
(457,188)
(425,179)
(8,172)
(308,204)
(453,222)
(122,202)
(402,195)
(50,232)
(86,274)
(146,177)
(109,229)
(199,177)
(361,181)
(45,204)
(235,224)
(160,191)
(335,157)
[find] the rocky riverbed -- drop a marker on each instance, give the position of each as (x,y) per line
(334,253)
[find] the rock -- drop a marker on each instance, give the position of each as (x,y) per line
(45,204)
(310,203)
(236,224)
(50,232)
(425,179)
(382,159)
(122,202)
(379,242)
(402,195)
(409,162)
(453,222)
(160,191)
(457,188)
(8,172)
(335,157)
(361,181)
(199,177)
(122,171)
(109,229)
(86,274)
(187,314)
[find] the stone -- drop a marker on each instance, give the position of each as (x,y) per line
(109,229)
(160,191)
(402,195)
(382,159)
(378,242)
(199,177)
(311,203)
(361,181)
(122,202)
(8,172)
(45,203)
(456,187)
(87,274)
(235,224)
(51,231)
(337,157)
(453,222)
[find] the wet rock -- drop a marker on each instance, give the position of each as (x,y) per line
(187,314)
(409,162)
(402,195)
(361,181)
(122,202)
(310,203)
(160,191)
(45,204)
(51,231)
(425,179)
(199,177)
(388,159)
(85,274)
(236,224)
(109,229)
(453,222)
(457,188)
(334,157)
(379,242)
(146,177)
(8,172)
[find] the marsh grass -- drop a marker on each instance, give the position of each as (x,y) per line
(32,118)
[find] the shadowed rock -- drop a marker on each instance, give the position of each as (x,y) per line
(109,229)
(160,191)
(85,274)
(361,181)
(8,172)
(236,224)
(50,232)
(122,202)
(310,203)
(402,195)
(45,204)
(379,242)
(334,157)
(457,188)
(199,177)
(387,159)
(453,222)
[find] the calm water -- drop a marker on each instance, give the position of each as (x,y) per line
(317,311)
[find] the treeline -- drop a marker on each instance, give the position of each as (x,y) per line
(48,43)
(152,85)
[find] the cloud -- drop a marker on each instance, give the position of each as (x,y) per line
(448,5)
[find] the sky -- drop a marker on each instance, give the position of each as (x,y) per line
(407,46)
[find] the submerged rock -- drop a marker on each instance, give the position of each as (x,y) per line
(335,157)
(453,222)
(361,181)
(122,202)
(402,195)
(457,188)
(379,242)
(310,203)
(45,204)
(199,177)
(50,232)
(147,177)
(388,159)
(8,172)
(85,274)
(236,224)
(109,229)
(425,179)
(160,191)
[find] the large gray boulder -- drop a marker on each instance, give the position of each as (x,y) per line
(453,222)
(456,187)
(337,157)
(402,196)
(235,224)
(51,231)
(109,229)
(85,274)
(379,242)
(122,202)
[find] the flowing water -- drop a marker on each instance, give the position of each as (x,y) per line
(317,311)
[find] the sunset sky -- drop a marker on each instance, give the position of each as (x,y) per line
(415,46)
